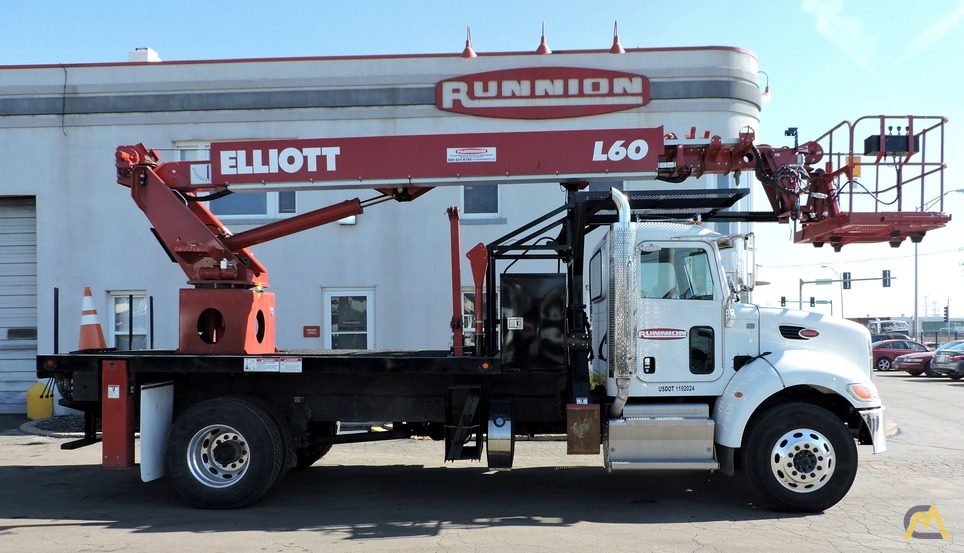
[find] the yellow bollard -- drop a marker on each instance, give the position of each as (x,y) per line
(39,407)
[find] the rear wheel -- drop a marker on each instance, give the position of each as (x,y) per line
(955,376)
(224,453)
(800,458)
(928,372)
(883,364)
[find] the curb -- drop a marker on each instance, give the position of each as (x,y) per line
(30,427)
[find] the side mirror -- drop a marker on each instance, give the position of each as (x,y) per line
(729,314)
(747,286)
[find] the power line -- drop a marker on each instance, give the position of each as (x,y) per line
(852,261)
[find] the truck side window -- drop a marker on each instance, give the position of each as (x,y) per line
(595,276)
(657,276)
(675,273)
(701,350)
(696,266)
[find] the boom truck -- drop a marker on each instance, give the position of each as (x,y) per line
(667,368)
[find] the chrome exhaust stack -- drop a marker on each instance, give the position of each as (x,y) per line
(622,313)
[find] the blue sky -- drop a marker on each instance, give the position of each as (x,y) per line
(827,61)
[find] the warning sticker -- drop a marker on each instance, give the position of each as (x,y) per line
(261,365)
(113,391)
(290,364)
(272,364)
(470,155)
(514,323)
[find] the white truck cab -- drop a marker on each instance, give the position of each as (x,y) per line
(693,371)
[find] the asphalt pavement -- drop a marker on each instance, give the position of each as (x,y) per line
(401,496)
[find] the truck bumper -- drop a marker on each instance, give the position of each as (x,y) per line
(876,429)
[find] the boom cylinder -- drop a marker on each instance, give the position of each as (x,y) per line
(293,225)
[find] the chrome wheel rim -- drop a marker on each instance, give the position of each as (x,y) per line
(803,460)
(218,456)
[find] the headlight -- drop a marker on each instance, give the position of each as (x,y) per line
(863,391)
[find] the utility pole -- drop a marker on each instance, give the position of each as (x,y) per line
(916,318)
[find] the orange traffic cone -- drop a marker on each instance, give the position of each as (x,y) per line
(91,334)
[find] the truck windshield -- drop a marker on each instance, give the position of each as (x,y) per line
(675,273)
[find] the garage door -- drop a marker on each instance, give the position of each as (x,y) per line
(18,301)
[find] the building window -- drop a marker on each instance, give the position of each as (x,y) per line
(480,201)
(470,313)
(349,319)
(248,204)
(129,306)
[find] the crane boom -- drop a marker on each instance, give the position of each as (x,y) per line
(172,194)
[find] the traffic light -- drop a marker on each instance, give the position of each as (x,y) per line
(783,301)
(886,278)
(846,281)
(946,318)
(813,302)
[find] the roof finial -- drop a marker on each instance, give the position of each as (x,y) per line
(468,52)
(617,47)
(766,97)
(543,47)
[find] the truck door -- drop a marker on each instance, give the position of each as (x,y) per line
(679,319)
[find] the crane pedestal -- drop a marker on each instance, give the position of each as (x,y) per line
(226,321)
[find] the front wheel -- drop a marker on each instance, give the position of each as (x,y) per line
(224,453)
(883,364)
(800,458)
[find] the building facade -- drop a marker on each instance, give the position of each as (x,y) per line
(380,280)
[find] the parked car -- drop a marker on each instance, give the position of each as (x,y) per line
(885,351)
(949,361)
(920,363)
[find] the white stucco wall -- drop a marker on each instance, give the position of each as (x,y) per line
(90,233)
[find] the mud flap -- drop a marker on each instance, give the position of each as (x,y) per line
(157,413)
(582,429)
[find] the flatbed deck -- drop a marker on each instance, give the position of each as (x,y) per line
(339,384)
(306,361)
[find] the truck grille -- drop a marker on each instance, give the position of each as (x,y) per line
(791,332)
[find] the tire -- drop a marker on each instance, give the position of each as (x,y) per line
(883,364)
(955,377)
(224,453)
(788,438)
(928,372)
(307,456)
(287,439)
